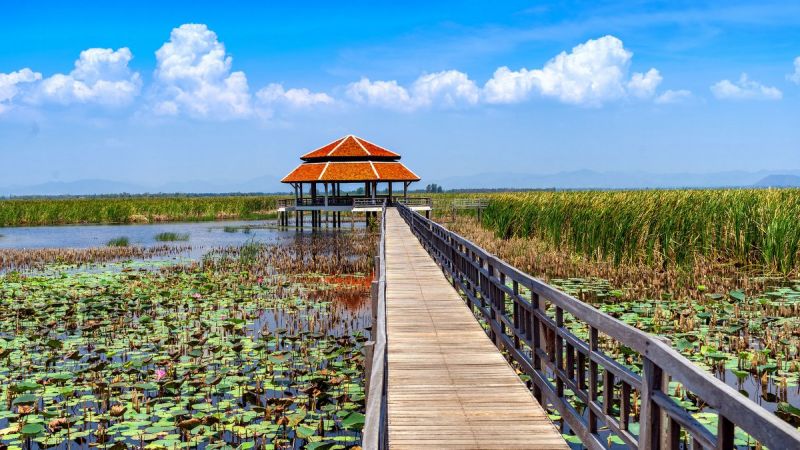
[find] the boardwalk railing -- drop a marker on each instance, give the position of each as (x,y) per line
(413,201)
(467,203)
(368,202)
(526,318)
(375,434)
(285,202)
(345,200)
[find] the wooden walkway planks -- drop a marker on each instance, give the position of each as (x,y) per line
(449,386)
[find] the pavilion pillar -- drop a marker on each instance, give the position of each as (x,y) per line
(326,204)
(300,202)
(337,218)
(314,202)
(297,188)
(405,191)
(390,192)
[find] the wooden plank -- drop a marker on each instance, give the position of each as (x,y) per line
(448,385)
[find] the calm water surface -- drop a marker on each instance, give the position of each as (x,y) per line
(203,236)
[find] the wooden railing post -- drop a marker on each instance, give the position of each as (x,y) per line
(650,413)
(593,347)
(490,291)
(725,434)
(536,332)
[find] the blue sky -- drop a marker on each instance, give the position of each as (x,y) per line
(202,90)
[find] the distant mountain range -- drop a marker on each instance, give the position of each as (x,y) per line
(265,184)
(588,179)
(779,181)
(581,179)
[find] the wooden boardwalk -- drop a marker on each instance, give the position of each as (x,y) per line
(449,386)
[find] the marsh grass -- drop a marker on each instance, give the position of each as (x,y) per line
(744,227)
(169,236)
(121,241)
(250,251)
(59,211)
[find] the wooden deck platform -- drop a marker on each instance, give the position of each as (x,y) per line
(449,386)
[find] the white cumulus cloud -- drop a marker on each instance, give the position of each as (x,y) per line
(676,96)
(795,77)
(744,89)
(593,73)
(275,93)
(11,85)
(449,88)
(644,85)
(386,94)
(193,76)
(101,75)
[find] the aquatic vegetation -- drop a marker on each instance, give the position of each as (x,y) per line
(659,227)
(121,241)
(169,236)
(749,342)
(134,209)
(38,259)
(223,353)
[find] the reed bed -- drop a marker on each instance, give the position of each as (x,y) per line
(542,259)
(169,236)
(38,259)
(744,227)
(60,211)
(121,241)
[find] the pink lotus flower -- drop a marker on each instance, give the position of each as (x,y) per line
(260,280)
(160,374)
(196,295)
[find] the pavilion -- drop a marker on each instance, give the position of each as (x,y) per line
(318,181)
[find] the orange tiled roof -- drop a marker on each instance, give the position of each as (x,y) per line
(349,147)
(350,171)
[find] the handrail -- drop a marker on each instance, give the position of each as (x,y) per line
(375,435)
(285,202)
(368,202)
(536,338)
(463,203)
(413,201)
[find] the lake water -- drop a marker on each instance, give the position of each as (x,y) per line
(202,235)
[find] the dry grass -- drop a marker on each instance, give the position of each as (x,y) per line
(542,259)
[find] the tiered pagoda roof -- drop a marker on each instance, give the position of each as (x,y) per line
(349,160)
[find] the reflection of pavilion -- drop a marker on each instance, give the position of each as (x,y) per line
(347,160)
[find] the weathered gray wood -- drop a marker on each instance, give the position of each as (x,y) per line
(375,436)
(650,413)
(683,418)
(448,385)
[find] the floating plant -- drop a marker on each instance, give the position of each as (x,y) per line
(247,348)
